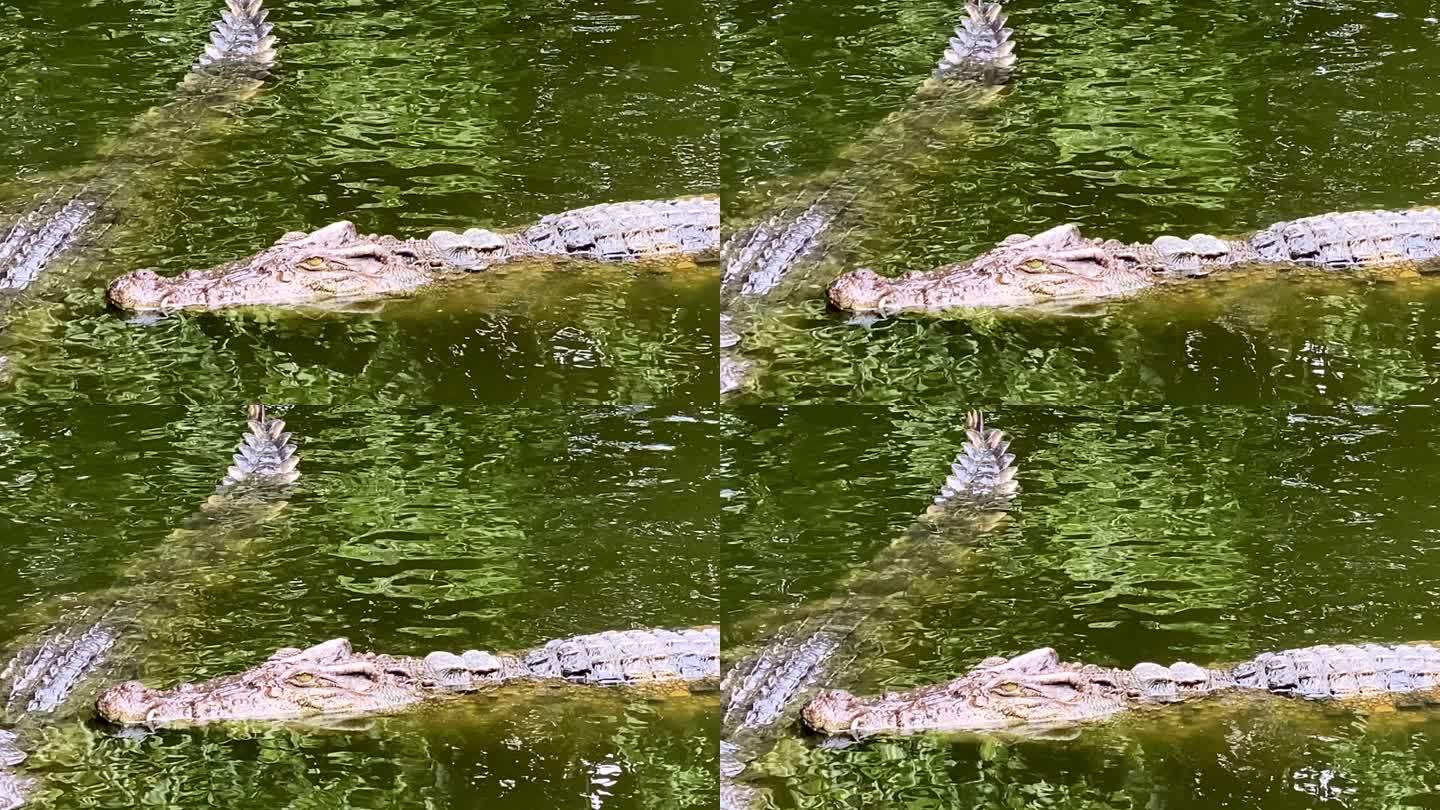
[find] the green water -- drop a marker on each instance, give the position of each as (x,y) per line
(410,530)
(403,118)
(1206,473)
(1132,120)
(1205,534)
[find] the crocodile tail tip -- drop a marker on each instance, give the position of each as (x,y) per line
(990,440)
(265,450)
(984,464)
(242,40)
(975,420)
(982,42)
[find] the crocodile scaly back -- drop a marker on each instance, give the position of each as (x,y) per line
(40,234)
(631,231)
(686,227)
(631,657)
(1352,238)
(1329,671)
(42,675)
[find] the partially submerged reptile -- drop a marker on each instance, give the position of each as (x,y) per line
(762,688)
(1061,265)
(758,259)
(761,261)
(46,675)
(233,66)
(1037,689)
(331,679)
(337,263)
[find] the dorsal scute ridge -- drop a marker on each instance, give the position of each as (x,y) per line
(266,452)
(241,41)
(987,11)
(984,469)
(982,47)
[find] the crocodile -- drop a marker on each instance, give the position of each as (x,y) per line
(43,677)
(75,214)
(763,687)
(14,788)
(235,63)
(1063,266)
(1037,689)
(761,261)
(331,679)
(336,263)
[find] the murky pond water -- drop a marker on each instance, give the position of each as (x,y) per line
(1205,534)
(404,119)
(1132,120)
(409,530)
(1207,473)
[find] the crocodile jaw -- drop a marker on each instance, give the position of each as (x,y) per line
(332,263)
(1059,265)
(836,711)
(1036,283)
(326,679)
(1034,689)
(134,704)
(145,291)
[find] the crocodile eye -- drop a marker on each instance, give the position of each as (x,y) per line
(313,263)
(302,679)
(1010,688)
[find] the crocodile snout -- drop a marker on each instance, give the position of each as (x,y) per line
(142,289)
(128,704)
(859,290)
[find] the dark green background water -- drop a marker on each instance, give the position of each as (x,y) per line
(404,117)
(1132,119)
(1205,534)
(410,530)
(1206,474)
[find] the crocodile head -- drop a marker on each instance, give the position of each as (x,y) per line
(1034,688)
(1058,265)
(332,263)
(327,679)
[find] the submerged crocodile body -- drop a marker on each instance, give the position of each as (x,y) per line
(53,671)
(331,679)
(1037,688)
(763,688)
(240,55)
(13,787)
(1061,265)
(762,260)
(337,263)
